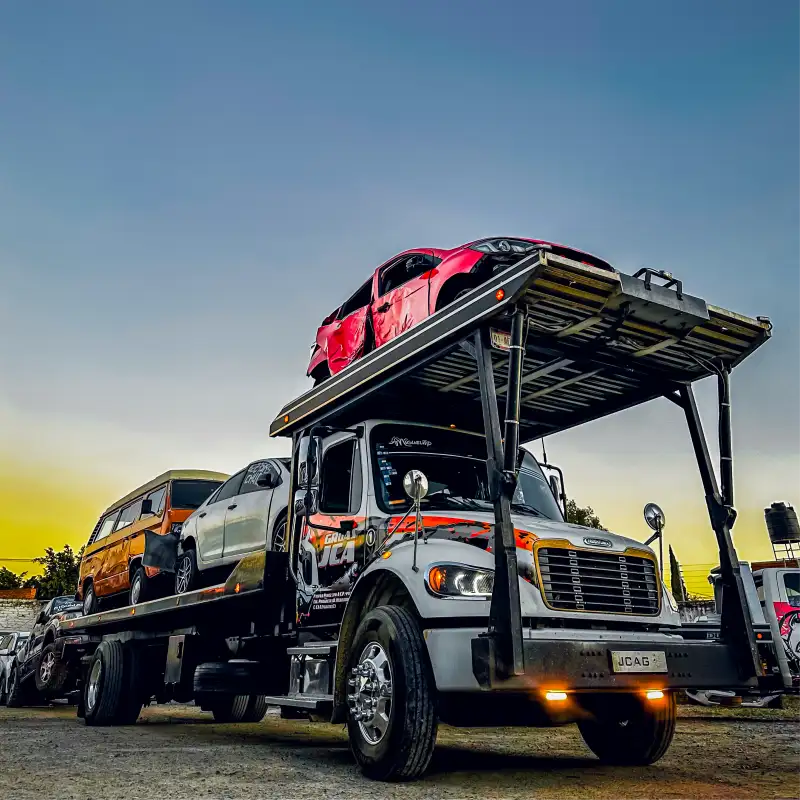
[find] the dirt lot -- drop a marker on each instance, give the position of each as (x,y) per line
(178,752)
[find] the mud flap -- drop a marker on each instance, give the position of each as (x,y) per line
(160,550)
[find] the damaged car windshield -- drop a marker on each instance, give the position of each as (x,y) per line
(455,466)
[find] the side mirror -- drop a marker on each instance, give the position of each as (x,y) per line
(554,487)
(654,517)
(310,448)
(266,481)
(415,484)
(147,507)
(306,502)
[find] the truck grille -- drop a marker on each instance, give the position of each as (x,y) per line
(588,580)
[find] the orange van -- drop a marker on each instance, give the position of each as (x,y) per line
(112,560)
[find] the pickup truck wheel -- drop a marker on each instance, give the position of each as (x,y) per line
(627,729)
(112,693)
(392,720)
(89,600)
(141,590)
(186,571)
(51,673)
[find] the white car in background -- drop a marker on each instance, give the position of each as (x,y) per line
(246,514)
(10,645)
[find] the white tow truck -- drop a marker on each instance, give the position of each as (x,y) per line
(429,574)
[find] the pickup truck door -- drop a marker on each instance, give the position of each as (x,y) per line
(246,524)
(211,522)
(329,560)
(402,294)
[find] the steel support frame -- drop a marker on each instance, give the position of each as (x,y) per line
(502,444)
(736,622)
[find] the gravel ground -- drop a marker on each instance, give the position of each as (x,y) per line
(177,752)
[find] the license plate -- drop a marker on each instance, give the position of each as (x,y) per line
(500,340)
(638,661)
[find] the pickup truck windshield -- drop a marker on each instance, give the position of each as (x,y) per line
(455,465)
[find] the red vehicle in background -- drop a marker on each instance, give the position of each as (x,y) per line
(410,287)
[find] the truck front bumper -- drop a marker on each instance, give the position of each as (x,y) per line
(465,659)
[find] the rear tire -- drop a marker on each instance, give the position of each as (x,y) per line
(627,729)
(229,707)
(395,741)
(51,672)
(112,691)
(256,708)
(90,603)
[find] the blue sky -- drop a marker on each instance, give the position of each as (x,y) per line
(187,188)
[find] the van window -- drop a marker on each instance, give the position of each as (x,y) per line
(191,493)
(106,526)
(156,499)
(129,514)
(336,482)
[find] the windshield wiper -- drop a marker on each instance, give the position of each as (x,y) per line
(463,502)
(525,508)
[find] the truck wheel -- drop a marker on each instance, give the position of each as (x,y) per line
(392,721)
(141,588)
(186,571)
(51,673)
(90,604)
(627,729)
(112,694)
(256,708)
(229,707)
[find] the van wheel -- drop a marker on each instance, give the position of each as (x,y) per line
(112,693)
(186,571)
(90,604)
(140,591)
(392,719)
(627,729)
(51,673)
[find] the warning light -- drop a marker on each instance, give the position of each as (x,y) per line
(237,588)
(555,697)
(286,418)
(499,294)
(452,426)
(759,636)
(655,694)
(133,611)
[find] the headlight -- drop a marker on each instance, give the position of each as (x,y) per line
(455,580)
(176,527)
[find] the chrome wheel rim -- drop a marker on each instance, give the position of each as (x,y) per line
(93,684)
(279,539)
(46,667)
(184,575)
(370,693)
(136,590)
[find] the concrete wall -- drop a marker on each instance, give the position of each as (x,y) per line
(18,615)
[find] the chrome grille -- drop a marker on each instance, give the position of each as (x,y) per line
(591,580)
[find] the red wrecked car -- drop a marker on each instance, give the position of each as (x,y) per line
(410,287)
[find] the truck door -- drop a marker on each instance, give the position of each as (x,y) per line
(330,560)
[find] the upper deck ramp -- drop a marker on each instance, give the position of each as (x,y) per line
(597,342)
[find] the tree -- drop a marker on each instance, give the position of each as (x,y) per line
(676,579)
(10,580)
(583,516)
(60,573)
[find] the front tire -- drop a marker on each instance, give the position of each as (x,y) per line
(392,720)
(186,572)
(627,729)
(51,673)
(90,604)
(141,588)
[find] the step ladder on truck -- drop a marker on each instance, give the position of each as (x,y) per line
(429,574)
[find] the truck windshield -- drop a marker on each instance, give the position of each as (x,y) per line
(191,494)
(455,465)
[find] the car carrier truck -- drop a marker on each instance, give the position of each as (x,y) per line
(429,574)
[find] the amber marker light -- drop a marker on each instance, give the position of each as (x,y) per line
(555,697)
(286,418)
(499,294)
(387,554)
(654,694)
(436,578)
(237,588)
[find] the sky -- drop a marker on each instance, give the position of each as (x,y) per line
(188,188)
